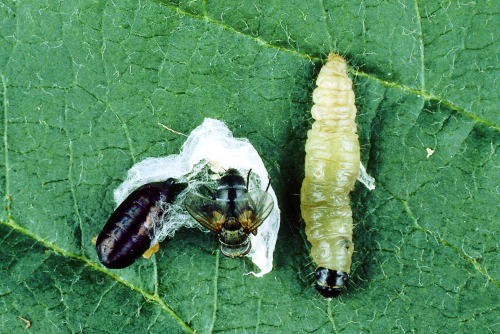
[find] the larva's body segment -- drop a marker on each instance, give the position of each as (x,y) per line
(331,170)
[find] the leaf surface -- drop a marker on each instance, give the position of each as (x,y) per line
(85,84)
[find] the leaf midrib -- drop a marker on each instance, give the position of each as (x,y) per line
(50,245)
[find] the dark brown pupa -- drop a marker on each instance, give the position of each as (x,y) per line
(331,170)
(129,231)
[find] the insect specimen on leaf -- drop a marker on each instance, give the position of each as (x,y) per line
(130,230)
(233,213)
(331,170)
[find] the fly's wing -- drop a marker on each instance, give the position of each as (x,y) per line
(208,212)
(252,209)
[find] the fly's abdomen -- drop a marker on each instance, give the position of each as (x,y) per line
(331,169)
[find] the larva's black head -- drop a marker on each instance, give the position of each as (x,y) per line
(329,283)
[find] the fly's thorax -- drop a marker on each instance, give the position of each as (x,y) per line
(232,185)
(232,179)
(230,193)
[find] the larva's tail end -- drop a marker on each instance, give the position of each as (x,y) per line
(335,57)
(335,66)
(330,283)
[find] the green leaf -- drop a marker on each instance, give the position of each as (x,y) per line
(85,84)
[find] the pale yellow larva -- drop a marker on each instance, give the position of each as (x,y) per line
(331,169)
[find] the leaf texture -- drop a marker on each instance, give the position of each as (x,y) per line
(85,84)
